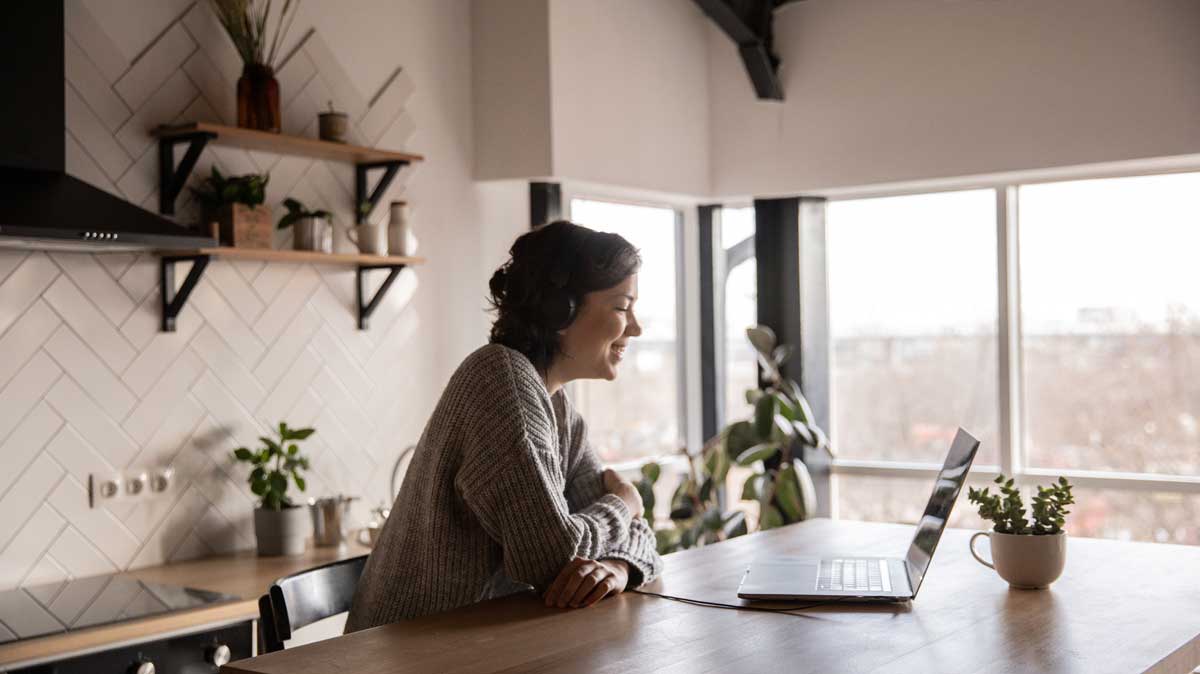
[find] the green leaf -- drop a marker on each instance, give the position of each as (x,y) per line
(764,416)
(259,487)
(646,489)
(787,495)
(243,454)
(752,395)
(651,470)
(271,444)
(735,524)
(716,463)
(750,488)
(293,450)
(770,518)
(278,481)
(762,338)
(804,433)
(258,474)
(302,433)
(739,437)
(300,482)
(293,205)
(759,452)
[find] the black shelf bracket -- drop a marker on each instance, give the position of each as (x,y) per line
(361,195)
(172,300)
(365,309)
(171,178)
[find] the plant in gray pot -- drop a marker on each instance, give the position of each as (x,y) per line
(1029,555)
(311,230)
(280,526)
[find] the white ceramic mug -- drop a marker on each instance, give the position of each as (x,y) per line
(1026,561)
(370,239)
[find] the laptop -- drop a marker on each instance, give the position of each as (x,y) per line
(847,577)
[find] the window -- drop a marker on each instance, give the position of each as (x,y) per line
(913,324)
(1105,361)
(740,310)
(640,415)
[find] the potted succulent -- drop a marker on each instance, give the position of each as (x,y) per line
(770,445)
(311,230)
(235,205)
(1029,555)
(280,526)
(247,23)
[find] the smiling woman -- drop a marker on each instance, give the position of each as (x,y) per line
(504,492)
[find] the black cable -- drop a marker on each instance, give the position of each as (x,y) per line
(736,607)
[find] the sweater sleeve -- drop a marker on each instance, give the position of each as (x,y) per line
(586,485)
(512,480)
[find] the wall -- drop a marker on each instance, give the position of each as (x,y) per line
(911,89)
(89,385)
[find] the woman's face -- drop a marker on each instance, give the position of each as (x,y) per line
(595,341)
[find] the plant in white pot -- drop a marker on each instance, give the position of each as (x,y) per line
(1029,555)
(280,526)
(311,229)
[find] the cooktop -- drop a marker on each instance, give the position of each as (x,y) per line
(40,610)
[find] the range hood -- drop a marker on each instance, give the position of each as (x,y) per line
(40,205)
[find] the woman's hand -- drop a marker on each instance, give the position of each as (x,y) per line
(584,582)
(624,490)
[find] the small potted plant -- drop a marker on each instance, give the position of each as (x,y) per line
(235,205)
(1029,555)
(310,229)
(280,526)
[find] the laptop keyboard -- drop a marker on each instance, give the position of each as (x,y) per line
(855,575)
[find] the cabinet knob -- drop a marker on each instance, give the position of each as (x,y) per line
(218,655)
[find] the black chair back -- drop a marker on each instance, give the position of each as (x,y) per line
(304,598)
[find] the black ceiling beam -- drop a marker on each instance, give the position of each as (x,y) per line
(749,24)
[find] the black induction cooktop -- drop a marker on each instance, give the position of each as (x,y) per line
(40,610)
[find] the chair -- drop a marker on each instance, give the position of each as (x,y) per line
(304,598)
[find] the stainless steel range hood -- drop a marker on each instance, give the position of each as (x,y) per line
(40,205)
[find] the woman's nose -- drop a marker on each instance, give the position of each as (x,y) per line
(633,328)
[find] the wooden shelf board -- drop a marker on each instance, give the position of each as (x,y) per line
(271,255)
(263,141)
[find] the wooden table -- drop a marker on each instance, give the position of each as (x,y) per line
(1119,607)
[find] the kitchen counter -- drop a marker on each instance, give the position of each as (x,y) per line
(244,575)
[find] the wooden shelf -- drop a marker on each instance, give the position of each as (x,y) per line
(174,296)
(315,257)
(262,141)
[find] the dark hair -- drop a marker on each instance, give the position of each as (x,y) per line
(549,270)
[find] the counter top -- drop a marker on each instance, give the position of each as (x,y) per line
(244,575)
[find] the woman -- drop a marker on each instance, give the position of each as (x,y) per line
(503,491)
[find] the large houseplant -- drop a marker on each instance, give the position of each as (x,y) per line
(235,205)
(280,525)
(770,445)
(1027,554)
(248,22)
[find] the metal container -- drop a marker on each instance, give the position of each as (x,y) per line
(329,517)
(312,234)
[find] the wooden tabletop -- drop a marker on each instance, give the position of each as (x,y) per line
(244,575)
(1119,607)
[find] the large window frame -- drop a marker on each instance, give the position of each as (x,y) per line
(1013,458)
(686,295)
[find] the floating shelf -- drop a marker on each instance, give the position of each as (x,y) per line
(172,301)
(197,134)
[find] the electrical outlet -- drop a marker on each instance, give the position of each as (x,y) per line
(133,484)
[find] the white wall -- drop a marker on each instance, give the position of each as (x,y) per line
(89,385)
(883,91)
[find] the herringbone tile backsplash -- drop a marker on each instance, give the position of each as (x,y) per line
(89,385)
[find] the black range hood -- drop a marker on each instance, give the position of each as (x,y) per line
(40,205)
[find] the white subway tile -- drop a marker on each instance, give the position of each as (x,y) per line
(287,348)
(81,165)
(79,557)
(96,140)
(161,351)
(28,546)
(388,105)
(82,365)
(97,284)
(98,525)
(164,396)
(27,493)
(94,42)
(168,101)
(218,92)
(84,416)
(24,337)
(26,441)
(154,67)
(345,96)
(230,284)
(83,316)
(23,286)
(206,30)
(25,390)
(281,311)
(285,394)
(94,88)
(171,532)
(222,362)
(226,322)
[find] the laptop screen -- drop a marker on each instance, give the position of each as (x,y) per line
(937,511)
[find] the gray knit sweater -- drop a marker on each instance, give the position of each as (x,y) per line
(503,490)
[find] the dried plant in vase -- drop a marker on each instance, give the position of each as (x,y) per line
(248,22)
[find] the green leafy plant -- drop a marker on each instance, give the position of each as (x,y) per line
(273,463)
(770,444)
(247,23)
(1007,511)
(219,190)
(296,210)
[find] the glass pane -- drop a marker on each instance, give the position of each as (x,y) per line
(913,312)
(741,312)
(737,225)
(637,416)
(901,499)
(1110,299)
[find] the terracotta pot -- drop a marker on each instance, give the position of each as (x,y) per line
(1026,561)
(258,98)
(243,226)
(282,532)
